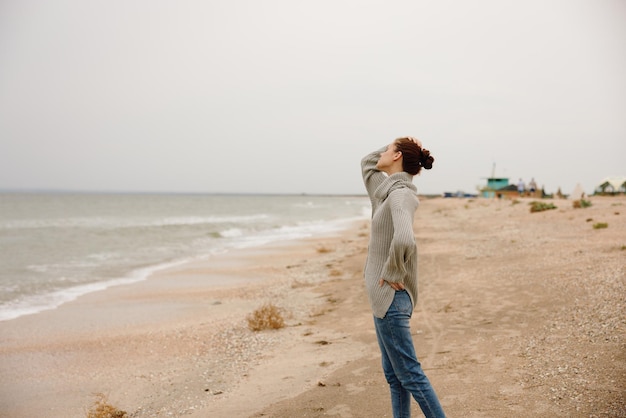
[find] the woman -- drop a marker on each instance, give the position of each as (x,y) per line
(391,269)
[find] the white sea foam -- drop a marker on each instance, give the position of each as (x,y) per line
(120,222)
(231,233)
(32,304)
(55,248)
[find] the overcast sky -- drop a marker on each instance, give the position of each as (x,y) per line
(286,96)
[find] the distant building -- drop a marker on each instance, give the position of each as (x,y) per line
(611,185)
(493,185)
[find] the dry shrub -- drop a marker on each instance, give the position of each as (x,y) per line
(267,316)
(102,409)
(323,249)
(540,206)
(582,203)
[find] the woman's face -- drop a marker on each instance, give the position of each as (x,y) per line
(388,157)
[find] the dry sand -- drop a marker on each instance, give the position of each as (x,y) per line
(520,315)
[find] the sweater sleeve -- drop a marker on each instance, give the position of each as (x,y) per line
(403,245)
(372,177)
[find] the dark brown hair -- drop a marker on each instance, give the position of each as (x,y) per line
(413,156)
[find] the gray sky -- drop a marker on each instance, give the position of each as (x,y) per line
(287,96)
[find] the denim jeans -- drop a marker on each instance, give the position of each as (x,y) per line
(400,365)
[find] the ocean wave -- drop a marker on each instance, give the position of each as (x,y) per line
(35,303)
(309,205)
(231,233)
(114,223)
(56,259)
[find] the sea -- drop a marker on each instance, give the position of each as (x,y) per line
(55,247)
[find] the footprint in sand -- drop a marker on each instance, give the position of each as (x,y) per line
(359,372)
(342,410)
(354,389)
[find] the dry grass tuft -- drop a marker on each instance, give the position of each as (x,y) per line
(102,409)
(540,206)
(267,316)
(323,249)
(582,203)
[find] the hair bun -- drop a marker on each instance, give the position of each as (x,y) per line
(426,160)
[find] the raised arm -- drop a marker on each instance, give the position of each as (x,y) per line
(372,177)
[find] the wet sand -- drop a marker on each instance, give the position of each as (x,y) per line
(520,314)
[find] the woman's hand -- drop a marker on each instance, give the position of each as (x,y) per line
(394,285)
(417,141)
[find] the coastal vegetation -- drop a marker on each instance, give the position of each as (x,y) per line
(537,206)
(101,408)
(267,316)
(582,203)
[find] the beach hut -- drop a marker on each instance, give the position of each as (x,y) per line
(494,184)
(509,192)
(612,185)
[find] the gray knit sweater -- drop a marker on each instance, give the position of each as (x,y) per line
(392,252)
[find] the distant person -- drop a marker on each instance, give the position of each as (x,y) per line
(532,186)
(521,187)
(391,270)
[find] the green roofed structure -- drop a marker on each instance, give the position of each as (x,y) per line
(494,184)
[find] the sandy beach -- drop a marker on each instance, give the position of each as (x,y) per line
(520,314)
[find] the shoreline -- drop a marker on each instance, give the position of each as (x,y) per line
(67,246)
(519,314)
(41,302)
(164,309)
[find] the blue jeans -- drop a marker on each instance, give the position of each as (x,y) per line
(400,365)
